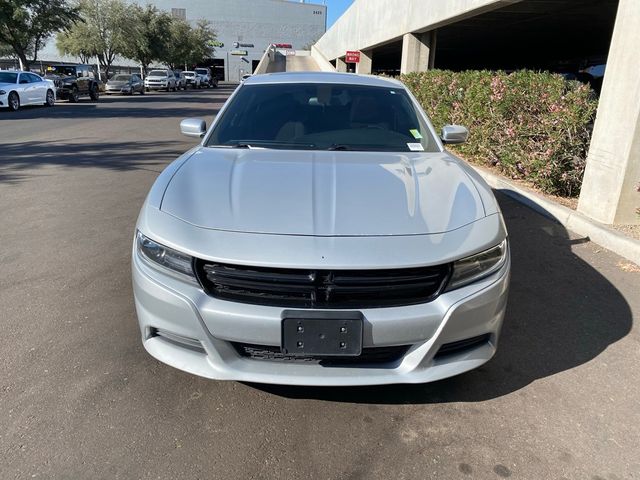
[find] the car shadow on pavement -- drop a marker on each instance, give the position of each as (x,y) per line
(561,314)
(151,105)
(19,161)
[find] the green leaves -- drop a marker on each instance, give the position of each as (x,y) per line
(531,125)
(26,24)
(112,28)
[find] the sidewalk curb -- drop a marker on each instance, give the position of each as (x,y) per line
(599,233)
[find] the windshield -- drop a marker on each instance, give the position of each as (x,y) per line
(157,73)
(189,74)
(8,77)
(62,70)
(202,71)
(121,78)
(323,117)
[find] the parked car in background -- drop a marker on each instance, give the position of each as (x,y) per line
(160,80)
(181,81)
(321,234)
(205,76)
(18,88)
(192,79)
(126,84)
(74,81)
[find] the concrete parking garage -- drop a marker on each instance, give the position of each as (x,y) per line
(401,36)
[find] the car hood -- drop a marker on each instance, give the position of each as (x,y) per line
(117,83)
(153,77)
(7,85)
(323,193)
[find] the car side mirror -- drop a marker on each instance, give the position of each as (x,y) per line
(193,127)
(454,134)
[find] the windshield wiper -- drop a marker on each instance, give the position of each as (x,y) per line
(256,144)
(339,146)
(233,145)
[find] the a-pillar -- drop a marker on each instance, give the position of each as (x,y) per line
(366,60)
(612,177)
(418,52)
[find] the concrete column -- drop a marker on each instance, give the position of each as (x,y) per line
(341,66)
(366,60)
(418,51)
(609,190)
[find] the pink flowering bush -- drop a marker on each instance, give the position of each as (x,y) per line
(530,125)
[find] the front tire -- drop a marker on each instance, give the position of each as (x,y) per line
(94,94)
(73,95)
(50,99)
(14,101)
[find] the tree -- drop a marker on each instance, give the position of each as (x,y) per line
(147,31)
(180,44)
(26,24)
(101,34)
(189,45)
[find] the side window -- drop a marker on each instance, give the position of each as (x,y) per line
(24,78)
(34,78)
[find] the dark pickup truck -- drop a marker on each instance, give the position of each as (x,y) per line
(74,81)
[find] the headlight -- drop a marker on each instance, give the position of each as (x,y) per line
(478,266)
(166,258)
(2,92)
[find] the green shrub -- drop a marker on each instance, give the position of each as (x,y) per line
(530,125)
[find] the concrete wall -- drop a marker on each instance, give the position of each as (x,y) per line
(368,23)
(612,178)
(257,22)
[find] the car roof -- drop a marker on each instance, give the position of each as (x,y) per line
(323,77)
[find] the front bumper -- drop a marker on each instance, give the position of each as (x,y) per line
(125,90)
(171,305)
(156,86)
(63,93)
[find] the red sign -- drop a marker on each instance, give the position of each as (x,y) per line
(352,57)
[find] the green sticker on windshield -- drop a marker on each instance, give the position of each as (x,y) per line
(416,134)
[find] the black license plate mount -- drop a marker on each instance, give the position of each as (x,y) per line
(338,335)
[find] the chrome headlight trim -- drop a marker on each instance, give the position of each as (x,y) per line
(165,259)
(476,267)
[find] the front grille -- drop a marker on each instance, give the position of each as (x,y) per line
(321,288)
(372,355)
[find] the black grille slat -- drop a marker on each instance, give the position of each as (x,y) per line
(371,355)
(321,288)
(218,270)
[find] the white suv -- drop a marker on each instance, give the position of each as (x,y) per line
(160,80)
(205,76)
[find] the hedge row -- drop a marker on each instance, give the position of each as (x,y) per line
(530,125)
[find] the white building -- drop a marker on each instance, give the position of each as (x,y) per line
(244,28)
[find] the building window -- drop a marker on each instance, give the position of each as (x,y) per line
(180,13)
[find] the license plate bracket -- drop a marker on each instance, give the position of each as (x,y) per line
(328,336)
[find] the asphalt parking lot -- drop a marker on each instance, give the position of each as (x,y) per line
(80,398)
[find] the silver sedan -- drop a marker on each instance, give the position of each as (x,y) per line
(126,84)
(320,234)
(19,88)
